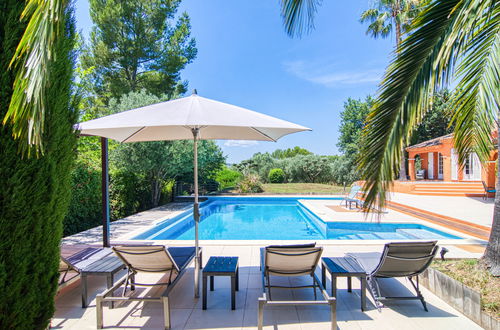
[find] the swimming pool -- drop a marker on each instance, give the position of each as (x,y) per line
(281,218)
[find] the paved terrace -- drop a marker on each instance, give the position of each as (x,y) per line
(187,312)
(471,209)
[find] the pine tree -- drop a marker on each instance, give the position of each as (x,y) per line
(137,45)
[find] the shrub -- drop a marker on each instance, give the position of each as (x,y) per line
(85,206)
(276,175)
(227,178)
(167,192)
(260,164)
(309,168)
(35,190)
(344,170)
(250,184)
(129,193)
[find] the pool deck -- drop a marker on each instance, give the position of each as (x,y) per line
(472,209)
(331,211)
(133,223)
(188,314)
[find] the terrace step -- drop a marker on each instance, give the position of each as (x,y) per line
(447,193)
(462,226)
(479,189)
(448,189)
(438,183)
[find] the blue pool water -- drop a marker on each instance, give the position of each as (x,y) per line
(267,218)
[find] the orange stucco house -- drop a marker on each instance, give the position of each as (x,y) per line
(440,162)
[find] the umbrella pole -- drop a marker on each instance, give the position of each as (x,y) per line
(105,191)
(196,215)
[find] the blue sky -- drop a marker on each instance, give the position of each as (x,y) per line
(246,58)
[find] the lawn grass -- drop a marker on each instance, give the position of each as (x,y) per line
(474,275)
(302,188)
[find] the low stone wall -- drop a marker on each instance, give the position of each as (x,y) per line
(459,296)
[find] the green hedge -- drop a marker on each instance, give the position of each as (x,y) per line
(34,192)
(85,206)
(129,193)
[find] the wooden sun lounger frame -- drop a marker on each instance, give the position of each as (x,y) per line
(263,301)
(164,299)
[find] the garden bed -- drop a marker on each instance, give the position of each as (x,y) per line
(467,286)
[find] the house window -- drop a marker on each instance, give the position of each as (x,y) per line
(440,164)
(468,165)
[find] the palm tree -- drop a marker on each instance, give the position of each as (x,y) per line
(388,16)
(449,39)
(35,50)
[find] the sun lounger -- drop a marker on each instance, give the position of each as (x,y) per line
(171,261)
(70,266)
(292,260)
(488,190)
(401,259)
(352,197)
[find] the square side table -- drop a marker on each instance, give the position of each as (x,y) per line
(344,267)
(107,266)
(221,266)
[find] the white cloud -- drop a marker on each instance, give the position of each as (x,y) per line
(240,143)
(329,75)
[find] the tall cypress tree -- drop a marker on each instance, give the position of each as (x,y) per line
(34,192)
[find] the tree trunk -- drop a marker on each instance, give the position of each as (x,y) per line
(155,190)
(402,168)
(492,253)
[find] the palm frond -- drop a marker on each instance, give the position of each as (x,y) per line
(477,96)
(381,26)
(369,15)
(298,15)
(26,110)
(425,61)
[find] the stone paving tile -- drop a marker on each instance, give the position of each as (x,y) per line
(216,319)
(281,318)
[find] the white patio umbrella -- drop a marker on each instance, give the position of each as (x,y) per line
(193,117)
